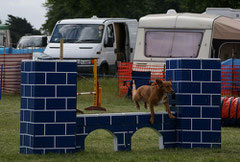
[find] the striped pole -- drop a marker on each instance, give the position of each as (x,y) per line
(95,83)
(86,93)
(100,97)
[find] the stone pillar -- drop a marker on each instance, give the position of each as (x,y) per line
(48,106)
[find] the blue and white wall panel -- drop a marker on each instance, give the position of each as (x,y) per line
(48,106)
(48,109)
(197,83)
(123,125)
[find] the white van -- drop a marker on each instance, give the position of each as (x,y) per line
(186,35)
(32,42)
(108,39)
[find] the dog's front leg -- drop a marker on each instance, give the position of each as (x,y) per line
(168,109)
(152,114)
(137,105)
(145,105)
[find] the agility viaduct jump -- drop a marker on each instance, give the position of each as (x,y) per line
(48,109)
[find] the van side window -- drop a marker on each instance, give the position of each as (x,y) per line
(109,39)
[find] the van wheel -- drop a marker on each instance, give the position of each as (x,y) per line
(104,70)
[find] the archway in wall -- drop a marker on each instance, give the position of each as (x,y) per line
(147,139)
(100,140)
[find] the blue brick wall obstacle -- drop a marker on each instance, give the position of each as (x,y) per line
(48,121)
(48,107)
(197,84)
(123,125)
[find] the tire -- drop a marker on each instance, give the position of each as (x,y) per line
(104,70)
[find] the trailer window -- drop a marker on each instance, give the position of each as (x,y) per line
(229,50)
(78,33)
(172,44)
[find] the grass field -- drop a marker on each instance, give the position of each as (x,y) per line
(99,144)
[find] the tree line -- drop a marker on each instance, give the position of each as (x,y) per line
(58,9)
(19,27)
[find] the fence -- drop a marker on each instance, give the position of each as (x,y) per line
(11,74)
(1,68)
(125,74)
(230,75)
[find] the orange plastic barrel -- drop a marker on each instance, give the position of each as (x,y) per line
(234,108)
(230,110)
(226,106)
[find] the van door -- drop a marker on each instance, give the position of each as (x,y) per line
(122,42)
(108,56)
(116,45)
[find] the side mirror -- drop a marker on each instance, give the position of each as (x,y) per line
(44,41)
(108,42)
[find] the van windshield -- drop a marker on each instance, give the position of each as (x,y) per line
(78,33)
(173,43)
(28,41)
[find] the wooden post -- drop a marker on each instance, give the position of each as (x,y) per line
(61,49)
(95,82)
(100,97)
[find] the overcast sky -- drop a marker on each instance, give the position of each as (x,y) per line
(32,10)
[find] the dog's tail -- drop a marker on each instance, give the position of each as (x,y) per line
(133,88)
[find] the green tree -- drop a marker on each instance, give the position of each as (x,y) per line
(57,9)
(19,27)
(199,7)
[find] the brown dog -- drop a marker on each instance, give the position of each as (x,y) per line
(154,95)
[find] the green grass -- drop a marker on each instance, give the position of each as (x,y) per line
(110,98)
(99,144)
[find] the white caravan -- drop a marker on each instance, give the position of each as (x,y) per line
(4,36)
(186,35)
(108,39)
(229,12)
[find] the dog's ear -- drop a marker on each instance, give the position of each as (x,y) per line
(159,82)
